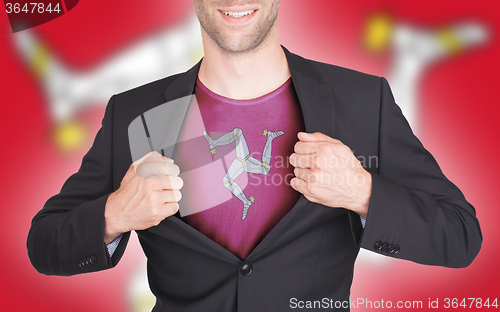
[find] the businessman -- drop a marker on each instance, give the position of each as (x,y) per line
(269,242)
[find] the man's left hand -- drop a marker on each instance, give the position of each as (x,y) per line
(327,172)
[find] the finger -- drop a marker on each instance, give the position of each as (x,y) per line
(305,147)
(302,174)
(301,160)
(151,170)
(166,210)
(149,157)
(157,170)
(157,157)
(171,183)
(171,208)
(310,176)
(300,186)
(166,184)
(316,137)
(172,169)
(170,196)
(168,160)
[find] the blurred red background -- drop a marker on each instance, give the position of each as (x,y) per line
(458,124)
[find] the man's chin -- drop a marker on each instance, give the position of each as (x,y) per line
(240,45)
(238,50)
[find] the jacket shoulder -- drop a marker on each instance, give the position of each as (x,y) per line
(335,75)
(152,91)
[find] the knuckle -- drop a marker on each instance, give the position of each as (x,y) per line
(177,182)
(169,160)
(171,208)
(155,211)
(296,147)
(295,184)
(172,169)
(177,195)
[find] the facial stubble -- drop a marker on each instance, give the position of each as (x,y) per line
(247,44)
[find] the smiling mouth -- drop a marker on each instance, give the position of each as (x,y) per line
(239,14)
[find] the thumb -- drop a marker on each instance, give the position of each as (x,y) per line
(315,137)
(152,157)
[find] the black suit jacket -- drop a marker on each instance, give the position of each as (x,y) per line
(415,212)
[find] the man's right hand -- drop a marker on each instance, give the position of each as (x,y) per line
(148,194)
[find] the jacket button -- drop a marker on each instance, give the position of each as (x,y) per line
(384,247)
(393,249)
(93,260)
(83,263)
(246,269)
(378,245)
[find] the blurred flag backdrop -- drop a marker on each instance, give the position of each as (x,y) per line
(56,79)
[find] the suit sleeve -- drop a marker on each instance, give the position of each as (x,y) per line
(415,212)
(67,236)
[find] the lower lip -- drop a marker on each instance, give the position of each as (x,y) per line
(239,20)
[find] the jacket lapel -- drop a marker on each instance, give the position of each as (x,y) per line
(183,84)
(316,98)
(178,96)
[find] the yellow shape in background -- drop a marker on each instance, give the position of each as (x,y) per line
(69,136)
(196,55)
(450,40)
(143,303)
(378,32)
(40,60)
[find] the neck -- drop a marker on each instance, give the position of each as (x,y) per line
(245,75)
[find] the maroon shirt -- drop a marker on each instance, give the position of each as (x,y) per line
(232,194)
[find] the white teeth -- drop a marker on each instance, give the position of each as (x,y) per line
(239,14)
